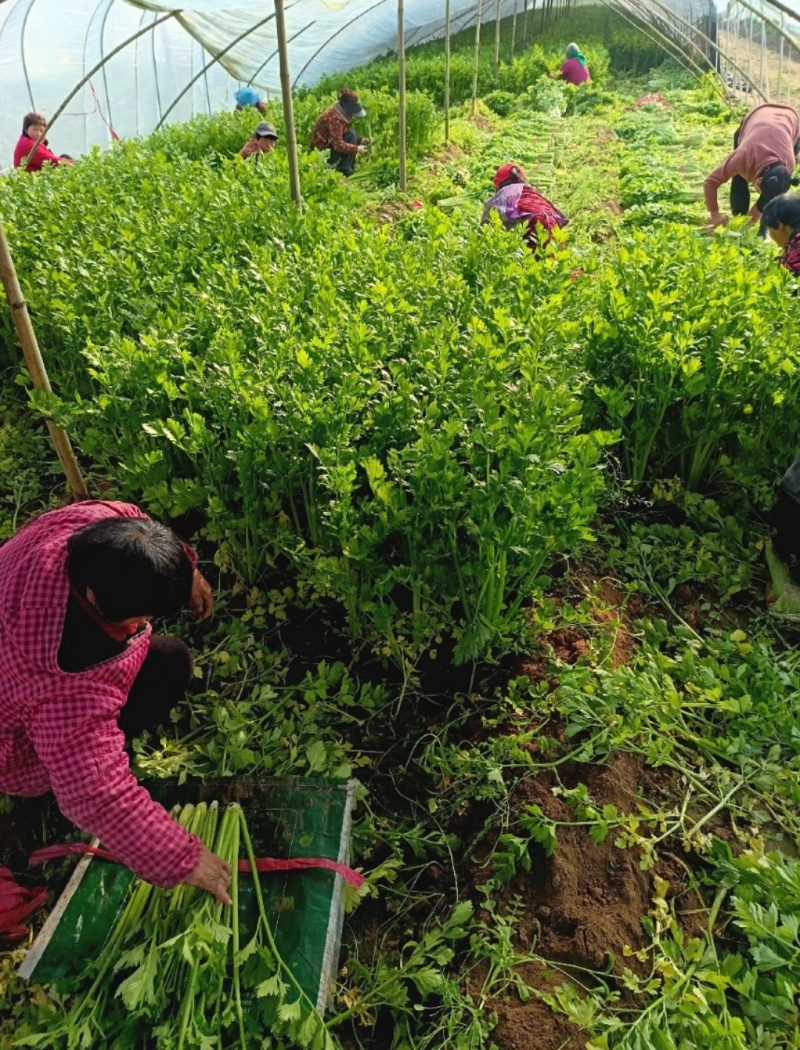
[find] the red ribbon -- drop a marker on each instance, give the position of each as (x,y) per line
(263,864)
(17,903)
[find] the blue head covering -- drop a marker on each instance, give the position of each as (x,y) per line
(247,96)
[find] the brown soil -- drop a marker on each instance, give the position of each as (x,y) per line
(612,620)
(532,1024)
(583,906)
(482,123)
(449,154)
(612,206)
(586,902)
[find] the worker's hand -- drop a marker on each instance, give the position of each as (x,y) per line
(213,875)
(201,600)
(717,220)
(361,149)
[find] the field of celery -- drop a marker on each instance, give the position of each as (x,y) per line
(486,531)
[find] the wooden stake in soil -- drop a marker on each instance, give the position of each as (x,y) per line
(496,63)
(401,69)
(446,71)
(288,107)
(475,59)
(33,359)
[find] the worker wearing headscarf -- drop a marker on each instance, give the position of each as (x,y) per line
(516,201)
(574,70)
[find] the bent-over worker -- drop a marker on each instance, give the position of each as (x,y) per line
(81,671)
(516,201)
(765,145)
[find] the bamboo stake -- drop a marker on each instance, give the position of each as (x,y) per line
(33,359)
(496,63)
(288,106)
(513,30)
(763,63)
(401,69)
(475,59)
(749,49)
(446,71)
(524,23)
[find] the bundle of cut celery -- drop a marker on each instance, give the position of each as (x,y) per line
(177,970)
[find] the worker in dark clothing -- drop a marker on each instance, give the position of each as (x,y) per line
(781,219)
(333,130)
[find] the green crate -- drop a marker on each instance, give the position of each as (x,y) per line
(287,819)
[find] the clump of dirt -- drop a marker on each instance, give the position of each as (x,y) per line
(567,645)
(583,906)
(482,123)
(613,206)
(524,1025)
(449,154)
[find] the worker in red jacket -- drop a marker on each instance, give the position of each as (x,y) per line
(333,131)
(81,672)
(33,124)
(764,155)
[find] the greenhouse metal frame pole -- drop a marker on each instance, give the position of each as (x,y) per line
(35,364)
(401,71)
(218,57)
(513,31)
(662,39)
(288,106)
(475,59)
(91,73)
(496,62)
(782,33)
(702,35)
(446,71)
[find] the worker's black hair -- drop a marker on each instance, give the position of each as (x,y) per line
(32,118)
(783,210)
(775,180)
(134,566)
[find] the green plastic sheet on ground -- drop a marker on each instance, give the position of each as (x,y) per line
(287,819)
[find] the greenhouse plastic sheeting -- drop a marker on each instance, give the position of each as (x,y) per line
(48,46)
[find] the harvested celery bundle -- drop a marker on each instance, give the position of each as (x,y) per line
(176,971)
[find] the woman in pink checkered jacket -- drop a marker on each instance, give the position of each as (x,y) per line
(80,670)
